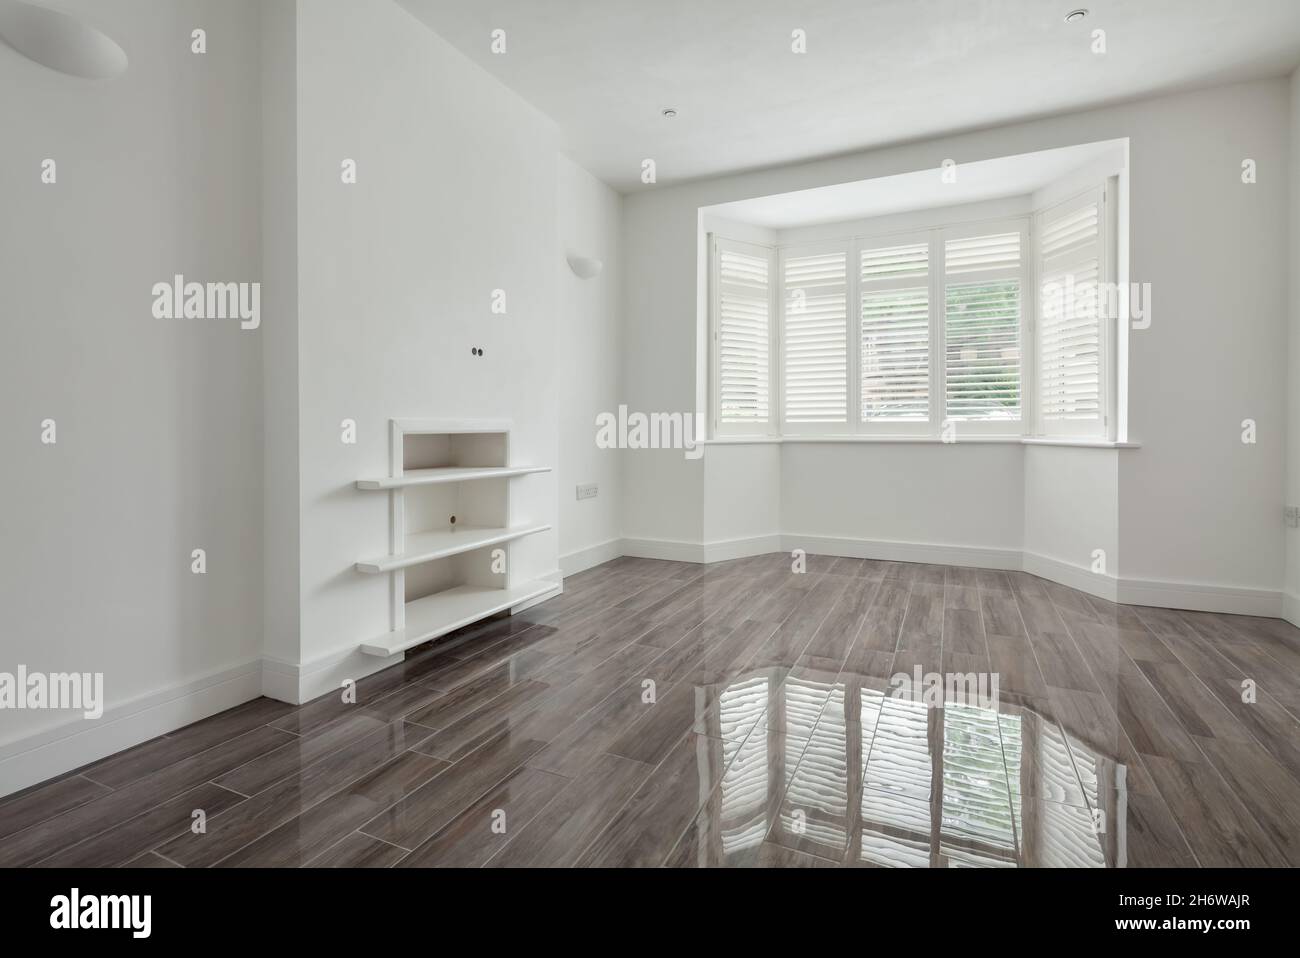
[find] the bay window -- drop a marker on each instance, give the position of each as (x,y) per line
(991,329)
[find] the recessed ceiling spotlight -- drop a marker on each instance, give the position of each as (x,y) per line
(1074,16)
(670,113)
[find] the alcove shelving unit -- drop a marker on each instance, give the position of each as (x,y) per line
(449,512)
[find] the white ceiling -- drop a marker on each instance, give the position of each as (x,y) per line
(876,71)
(920,190)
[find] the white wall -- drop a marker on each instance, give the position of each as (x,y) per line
(963,495)
(1072,509)
(662,490)
(742,498)
(158,421)
(1292,598)
(1193,480)
(589,351)
(1196,504)
(456,197)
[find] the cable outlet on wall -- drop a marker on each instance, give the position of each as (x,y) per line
(588,491)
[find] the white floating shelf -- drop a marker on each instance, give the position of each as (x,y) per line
(444,612)
(427,546)
(431,477)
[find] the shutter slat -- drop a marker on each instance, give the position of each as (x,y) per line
(815,292)
(895,334)
(982,328)
(1069,340)
(744,349)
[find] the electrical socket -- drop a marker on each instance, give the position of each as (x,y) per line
(588,491)
(1292,514)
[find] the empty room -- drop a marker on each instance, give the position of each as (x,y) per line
(518,434)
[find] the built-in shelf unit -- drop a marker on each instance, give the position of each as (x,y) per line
(450,530)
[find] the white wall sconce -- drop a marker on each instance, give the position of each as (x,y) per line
(585,267)
(60,41)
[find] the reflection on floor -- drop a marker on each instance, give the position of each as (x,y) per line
(739,714)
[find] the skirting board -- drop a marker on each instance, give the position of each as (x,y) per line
(1068,574)
(1200,597)
(580,560)
(77,742)
(893,551)
(297,683)
(717,551)
(1291,608)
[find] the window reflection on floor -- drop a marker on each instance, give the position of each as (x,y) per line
(843,771)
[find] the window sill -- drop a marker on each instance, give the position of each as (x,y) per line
(1082,443)
(917,440)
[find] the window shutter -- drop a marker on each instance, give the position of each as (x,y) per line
(983,279)
(817,776)
(815,340)
(743,336)
(895,344)
(743,792)
(1069,327)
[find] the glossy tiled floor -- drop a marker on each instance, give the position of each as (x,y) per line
(738,714)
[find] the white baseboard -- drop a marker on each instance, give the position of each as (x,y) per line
(893,551)
(582,559)
(671,549)
(1291,608)
(299,682)
(1068,574)
(1201,597)
(52,751)
(724,550)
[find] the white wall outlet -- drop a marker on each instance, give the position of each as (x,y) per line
(1292,514)
(588,491)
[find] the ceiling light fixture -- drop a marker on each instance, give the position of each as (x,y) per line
(1074,16)
(59,41)
(670,113)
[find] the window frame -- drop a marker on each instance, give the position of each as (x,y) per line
(770,428)
(1103,430)
(1008,428)
(813,429)
(912,429)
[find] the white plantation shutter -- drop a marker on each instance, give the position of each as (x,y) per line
(1070,331)
(894,360)
(983,280)
(815,340)
(743,792)
(743,336)
(820,780)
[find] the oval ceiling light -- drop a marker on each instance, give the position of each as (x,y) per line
(670,113)
(60,41)
(1076,15)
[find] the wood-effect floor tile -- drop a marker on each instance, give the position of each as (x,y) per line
(572,820)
